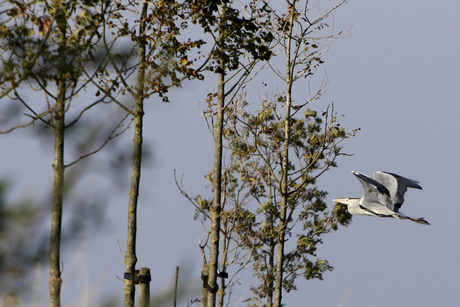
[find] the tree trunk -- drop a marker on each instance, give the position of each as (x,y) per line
(284,165)
(56,219)
(58,119)
(217,186)
(130,257)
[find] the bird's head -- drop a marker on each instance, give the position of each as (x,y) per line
(346,200)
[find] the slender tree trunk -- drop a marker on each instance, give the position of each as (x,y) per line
(217,178)
(217,186)
(130,257)
(58,120)
(56,219)
(284,166)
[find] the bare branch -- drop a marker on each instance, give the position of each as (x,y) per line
(111,137)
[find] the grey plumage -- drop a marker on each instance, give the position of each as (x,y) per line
(397,186)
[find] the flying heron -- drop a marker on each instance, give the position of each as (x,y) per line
(383,196)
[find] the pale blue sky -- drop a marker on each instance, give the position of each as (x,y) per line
(396,76)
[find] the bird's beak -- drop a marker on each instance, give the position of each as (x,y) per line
(339,201)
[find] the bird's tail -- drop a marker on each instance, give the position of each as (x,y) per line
(419,220)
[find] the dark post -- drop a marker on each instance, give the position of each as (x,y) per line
(204,277)
(144,287)
(176,279)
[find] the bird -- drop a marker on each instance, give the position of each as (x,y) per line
(383,196)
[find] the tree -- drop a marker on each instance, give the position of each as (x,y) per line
(282,153)
(46,45)
(235,37)
(143,40)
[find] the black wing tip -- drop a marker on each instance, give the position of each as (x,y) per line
(415,184)
(361,176)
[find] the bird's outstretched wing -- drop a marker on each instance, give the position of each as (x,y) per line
(397,186)
(374,192)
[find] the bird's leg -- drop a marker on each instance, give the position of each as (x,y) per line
(419,220)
